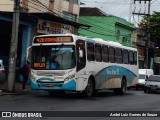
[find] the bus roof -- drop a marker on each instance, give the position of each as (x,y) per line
(95,40)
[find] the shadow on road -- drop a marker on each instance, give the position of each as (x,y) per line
(72,95)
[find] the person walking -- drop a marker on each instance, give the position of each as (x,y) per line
(25,71)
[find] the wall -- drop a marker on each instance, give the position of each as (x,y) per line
(105,27)
(6,5)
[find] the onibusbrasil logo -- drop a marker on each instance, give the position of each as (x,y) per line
(21,114)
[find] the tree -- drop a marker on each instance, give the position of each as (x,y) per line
(154,27)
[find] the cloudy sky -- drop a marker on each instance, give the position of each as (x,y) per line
(121,8)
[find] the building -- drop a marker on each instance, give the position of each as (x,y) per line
(107,27)
(153,52)
(36,17)
(139,43)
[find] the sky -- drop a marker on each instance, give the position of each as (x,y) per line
(121,8)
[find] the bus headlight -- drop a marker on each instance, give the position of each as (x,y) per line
(33,78)
(69,77)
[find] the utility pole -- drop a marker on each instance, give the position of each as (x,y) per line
(130,11)
(13,47)
(146,65)
(147,39)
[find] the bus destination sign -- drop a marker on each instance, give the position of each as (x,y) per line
(50,39)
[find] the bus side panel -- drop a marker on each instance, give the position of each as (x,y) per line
(111,77)
(81,79)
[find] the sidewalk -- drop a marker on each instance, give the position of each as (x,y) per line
(17,90)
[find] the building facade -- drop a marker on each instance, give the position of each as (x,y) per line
(36,17)
(153,52)
(105,26)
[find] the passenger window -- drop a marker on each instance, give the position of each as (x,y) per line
(98,53)
(105,55)
(131,57)
(111,54)
(135,58)
(90,52)
(125,57)
(119,55)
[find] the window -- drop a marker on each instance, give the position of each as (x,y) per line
(81,56)
(131,58)
(90,52)
(105,55)
(69,16)
(111,54)
(125,57)
(73,1)
(53,57)
(98,53)
(135,58)
(119,55)
(118,35)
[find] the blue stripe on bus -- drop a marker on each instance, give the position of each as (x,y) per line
(114,71)
(70,85)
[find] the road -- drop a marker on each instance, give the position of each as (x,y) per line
(133,100)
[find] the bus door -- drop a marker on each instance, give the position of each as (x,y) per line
(81,63)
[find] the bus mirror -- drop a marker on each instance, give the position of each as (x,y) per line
(80,53)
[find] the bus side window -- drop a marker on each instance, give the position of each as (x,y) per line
(111,54)
(90,52)
(119,55)
(125,57)
(105,55)
(135,58)
(131,57)
(98,53)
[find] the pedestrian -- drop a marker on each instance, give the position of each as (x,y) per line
(25,71)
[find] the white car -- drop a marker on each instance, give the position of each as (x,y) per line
(2,73)
(152,84)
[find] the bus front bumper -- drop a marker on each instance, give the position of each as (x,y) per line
(69,85)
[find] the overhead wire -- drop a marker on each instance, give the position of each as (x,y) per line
(46,8)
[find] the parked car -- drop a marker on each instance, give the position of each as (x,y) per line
(152,84)
(143,76)
(2,72)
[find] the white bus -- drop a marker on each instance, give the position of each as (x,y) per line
(66,62)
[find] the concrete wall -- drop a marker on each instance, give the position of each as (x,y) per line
(6,5)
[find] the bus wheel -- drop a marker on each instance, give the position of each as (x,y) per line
(121,90)
(123,86)
(89,89)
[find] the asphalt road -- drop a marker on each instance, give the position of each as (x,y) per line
(133,101)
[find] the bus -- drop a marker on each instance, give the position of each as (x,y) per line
(67,62)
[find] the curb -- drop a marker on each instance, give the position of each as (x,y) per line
(18,92)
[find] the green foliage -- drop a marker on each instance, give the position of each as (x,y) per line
(154,27)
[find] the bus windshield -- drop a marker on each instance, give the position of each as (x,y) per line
(53,57)
(141,76)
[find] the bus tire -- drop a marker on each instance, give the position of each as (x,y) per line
(123,86)
(121,90)
(89,91)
